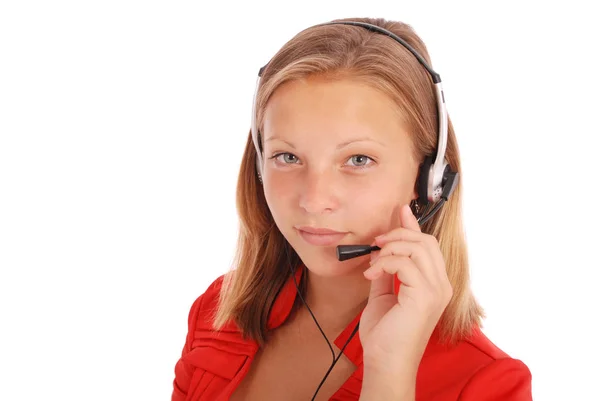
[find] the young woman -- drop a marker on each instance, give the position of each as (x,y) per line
(350,145)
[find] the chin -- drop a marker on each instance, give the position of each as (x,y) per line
(323,262)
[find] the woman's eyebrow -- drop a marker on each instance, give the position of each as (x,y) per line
(279,139)
(365,139)
(340,146)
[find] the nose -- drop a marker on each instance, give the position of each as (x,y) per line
(318,192)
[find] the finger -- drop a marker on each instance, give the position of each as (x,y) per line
(407,229)
(402,267)
(430,243)
(399,234)
(412,282)
(381,284)
(408,219)
(418,253)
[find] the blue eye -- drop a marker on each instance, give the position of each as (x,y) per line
(360,160)
(288,158)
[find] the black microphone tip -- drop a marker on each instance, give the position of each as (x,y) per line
(345,252)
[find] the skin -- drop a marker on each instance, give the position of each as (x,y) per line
(338,155)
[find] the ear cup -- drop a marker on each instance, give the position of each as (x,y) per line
(422,189)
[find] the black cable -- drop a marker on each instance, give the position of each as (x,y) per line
(335,359)
(303,301)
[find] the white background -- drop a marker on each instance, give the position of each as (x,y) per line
(121,130)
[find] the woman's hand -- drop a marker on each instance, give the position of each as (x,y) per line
(395,329)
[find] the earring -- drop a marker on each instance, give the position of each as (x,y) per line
(260,178)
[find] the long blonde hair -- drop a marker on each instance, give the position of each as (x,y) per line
(260,266)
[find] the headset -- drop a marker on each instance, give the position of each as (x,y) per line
(435,183)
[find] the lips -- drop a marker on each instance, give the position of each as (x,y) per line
(320,236)
(318,230)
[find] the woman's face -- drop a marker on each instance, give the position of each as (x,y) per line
(337,157)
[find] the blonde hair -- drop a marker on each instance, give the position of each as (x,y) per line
(342,51)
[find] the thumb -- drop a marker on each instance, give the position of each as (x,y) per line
(382,285)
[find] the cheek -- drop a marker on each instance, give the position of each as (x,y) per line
(278,193)
(377,209)
(375,205)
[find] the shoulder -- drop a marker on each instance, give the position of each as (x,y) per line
(476,369)
(501,379)
(509,377)
(204,307)
(208,354)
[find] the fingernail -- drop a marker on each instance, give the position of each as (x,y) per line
(372,274)
(380,240)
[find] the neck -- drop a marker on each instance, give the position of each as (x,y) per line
(336,301)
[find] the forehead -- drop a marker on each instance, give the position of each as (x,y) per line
(319,109)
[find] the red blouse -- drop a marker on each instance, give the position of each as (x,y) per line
(213,363)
